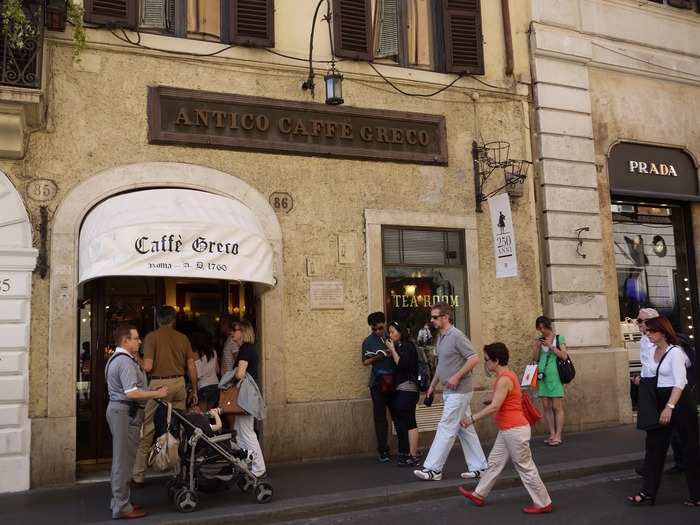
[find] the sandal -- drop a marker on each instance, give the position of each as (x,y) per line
(554,443)
(641,498)
(692,502)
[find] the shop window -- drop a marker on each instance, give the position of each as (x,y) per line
(245,22)
(652,264)
(438,35)
(680,4)
(422,267)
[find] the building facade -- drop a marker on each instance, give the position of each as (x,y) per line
(339,210)
(184,160)
(614,83)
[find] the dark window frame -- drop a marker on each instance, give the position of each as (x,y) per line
(464,266)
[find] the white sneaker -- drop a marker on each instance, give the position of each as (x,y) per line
(471,474)
(428,475)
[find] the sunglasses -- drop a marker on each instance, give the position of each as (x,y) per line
(640,321)
(437,316)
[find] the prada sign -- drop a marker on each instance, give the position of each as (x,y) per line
(652,171)
(219,120)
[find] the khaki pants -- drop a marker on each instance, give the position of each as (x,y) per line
(177,395)
(514,443)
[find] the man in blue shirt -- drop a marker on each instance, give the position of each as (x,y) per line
(126,385)
(381,387)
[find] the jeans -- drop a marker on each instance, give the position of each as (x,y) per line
(456,406)
(380,403)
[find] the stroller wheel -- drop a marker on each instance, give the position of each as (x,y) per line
(173,487)
(185,500)
(244,485)
(263,492)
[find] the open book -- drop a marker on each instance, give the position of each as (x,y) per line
(376,353)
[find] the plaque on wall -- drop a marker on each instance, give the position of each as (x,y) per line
(327,295)
(221,120)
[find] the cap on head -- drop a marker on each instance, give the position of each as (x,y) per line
(648,313)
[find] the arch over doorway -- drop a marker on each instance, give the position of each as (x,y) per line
(17,261)
(55,458)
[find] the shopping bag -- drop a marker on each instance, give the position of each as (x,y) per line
(530,376)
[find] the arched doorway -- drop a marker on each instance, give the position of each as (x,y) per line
(17,260)
(203,254)
(63,314)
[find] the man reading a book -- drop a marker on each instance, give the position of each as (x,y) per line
(381,379)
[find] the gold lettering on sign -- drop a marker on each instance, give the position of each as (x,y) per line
(422,301)
(254,121)
(652,168)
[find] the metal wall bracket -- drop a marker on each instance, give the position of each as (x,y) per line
(490,157)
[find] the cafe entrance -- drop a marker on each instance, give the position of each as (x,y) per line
(104,303)
(204,254)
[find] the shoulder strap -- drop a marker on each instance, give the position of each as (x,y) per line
(109,362)
(662,359)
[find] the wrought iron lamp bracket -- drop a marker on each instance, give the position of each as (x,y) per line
(490,157)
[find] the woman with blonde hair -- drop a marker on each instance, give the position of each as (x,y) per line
(246,362)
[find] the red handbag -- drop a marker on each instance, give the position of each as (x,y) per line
(531,412)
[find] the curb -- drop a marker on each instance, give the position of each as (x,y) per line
(336,503)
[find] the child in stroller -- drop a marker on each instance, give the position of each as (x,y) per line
(208,462)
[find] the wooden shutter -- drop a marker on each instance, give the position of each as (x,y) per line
(387,28)
(464,52)
(248,22)
(683,4)
(352,29)
(116,13)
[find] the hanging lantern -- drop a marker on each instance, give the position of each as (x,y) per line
(334,86)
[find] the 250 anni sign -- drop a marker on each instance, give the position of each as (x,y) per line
(219,120)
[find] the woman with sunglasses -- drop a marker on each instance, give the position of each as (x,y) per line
(513,439)
(405,356)
(678,410)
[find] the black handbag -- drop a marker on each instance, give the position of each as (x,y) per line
(565,367)
(648,412)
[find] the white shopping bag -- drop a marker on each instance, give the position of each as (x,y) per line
(530,376)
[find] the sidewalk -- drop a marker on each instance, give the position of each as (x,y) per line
(322,488)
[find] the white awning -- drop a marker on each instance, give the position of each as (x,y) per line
(174,233)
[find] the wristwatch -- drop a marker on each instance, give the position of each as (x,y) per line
(671,406)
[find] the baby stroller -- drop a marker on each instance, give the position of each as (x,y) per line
(208,462)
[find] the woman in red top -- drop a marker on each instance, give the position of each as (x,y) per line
(513,440)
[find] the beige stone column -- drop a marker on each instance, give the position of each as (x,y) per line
(574,289)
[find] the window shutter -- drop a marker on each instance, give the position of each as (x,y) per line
(463,37)
(248,22)
(352,29)
(117,13)
(158,14)
(387,43)
(683,4)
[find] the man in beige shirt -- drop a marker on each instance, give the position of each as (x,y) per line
(167,354)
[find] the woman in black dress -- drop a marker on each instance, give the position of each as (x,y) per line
(405,356)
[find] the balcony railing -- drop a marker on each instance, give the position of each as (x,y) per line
(21,64)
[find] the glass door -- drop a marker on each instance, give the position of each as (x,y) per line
(653,258)
(106,303)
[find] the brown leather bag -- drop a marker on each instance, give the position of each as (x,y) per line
(228,404)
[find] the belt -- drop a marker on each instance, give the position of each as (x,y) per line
(127,403)
(167,377)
